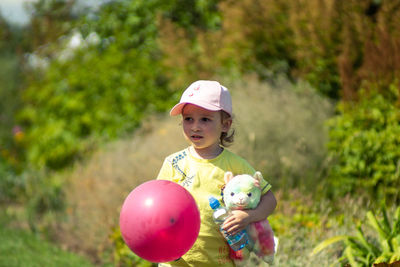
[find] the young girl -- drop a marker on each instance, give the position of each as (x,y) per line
(206,109)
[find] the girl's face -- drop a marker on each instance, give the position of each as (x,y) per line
(203,128)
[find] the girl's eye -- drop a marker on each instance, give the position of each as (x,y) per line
(187,119)
(205,119)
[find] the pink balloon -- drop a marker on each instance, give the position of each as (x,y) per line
(159,221)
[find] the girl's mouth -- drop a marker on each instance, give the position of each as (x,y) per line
(196,137)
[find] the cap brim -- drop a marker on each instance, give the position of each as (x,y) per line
(177,109)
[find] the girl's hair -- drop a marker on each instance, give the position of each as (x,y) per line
(226,138)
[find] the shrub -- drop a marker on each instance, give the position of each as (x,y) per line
(123,256)
(364,250)
(10,135)
(364,142)
(100,91)
(12,187)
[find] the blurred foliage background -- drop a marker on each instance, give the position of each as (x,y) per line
(84,90)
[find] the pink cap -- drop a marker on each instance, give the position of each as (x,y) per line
(210,95)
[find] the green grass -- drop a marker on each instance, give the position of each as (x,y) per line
(22,248)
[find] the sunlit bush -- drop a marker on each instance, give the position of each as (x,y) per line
(100,92)
(364,144)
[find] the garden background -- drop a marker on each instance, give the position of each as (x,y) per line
(84,97)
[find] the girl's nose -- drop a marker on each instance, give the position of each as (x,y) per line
(195,126)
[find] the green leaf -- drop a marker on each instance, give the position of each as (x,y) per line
(356,247)
(375,224)
(349,254)
(328,242)
(373,250)
(385,222)
(396,224)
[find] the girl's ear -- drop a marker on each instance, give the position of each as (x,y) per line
(226,124)
(228,176)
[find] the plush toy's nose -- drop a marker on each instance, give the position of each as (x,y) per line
(242,198)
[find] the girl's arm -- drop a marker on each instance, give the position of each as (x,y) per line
(241,218)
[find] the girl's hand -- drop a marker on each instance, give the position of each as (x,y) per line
(237,222)
(240,219)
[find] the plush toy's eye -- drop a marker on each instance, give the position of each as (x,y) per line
(249,194)
(232,194)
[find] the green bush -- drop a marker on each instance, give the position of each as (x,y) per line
(364,142)
(12,186)
(365,250)
(99,93)
(123,256)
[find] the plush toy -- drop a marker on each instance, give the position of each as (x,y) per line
(243,192)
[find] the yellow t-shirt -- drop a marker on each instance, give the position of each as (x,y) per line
(204,178)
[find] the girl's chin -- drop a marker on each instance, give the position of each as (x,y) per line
(208,149)
(198,143)
(198,148)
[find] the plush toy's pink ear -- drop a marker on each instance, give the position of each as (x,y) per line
(228,176)
(258,176)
